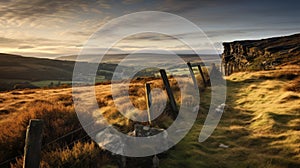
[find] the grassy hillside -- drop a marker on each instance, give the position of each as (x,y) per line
(27,72)
(260,125)
(27,68)
(55,107)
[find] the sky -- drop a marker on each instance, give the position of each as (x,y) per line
(53,28)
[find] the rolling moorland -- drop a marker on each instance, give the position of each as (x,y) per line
(259,128)
(17,72)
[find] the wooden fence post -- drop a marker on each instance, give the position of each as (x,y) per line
(229,69)
(221,68)
(32,150)
(148,101)
(226,69)
(202,75)
(169,90)
(192,74)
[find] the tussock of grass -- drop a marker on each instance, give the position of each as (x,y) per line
(58,120)
(260,125)
(293,85)
(80,155)
(55,107)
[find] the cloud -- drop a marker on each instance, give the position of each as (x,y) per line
(8,41)
(149,36)
(161,38)
(113,50)
(42,46)
(18,12)
(64,25)
(80,33)
(128,2)
(26,47)
(104,4)
(179,7)
(87,27)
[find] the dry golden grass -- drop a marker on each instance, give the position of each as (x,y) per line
(55,107)
(275,109)
(260,124)
(294,85)
(79,155)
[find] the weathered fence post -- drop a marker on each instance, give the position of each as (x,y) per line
(229,69)
(148,101)
(32,150)
(226,69)
(221,68)
(202,75)
(169,90)
(192,74)
(234,68)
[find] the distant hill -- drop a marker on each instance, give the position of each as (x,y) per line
(27,72)
(67,58)
(109,58)
(33,69)
(20,71)
(135,57)
(263,54)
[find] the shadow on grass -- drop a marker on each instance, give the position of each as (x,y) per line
(234,143)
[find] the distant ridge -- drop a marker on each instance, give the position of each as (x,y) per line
(115,58)
(29,68)
(16,69)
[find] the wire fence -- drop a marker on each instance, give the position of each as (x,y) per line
(53,141)
(73,132)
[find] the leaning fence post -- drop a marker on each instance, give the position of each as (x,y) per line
(192,74)
(202,75)
(148,101)
(32,150)
(169,90)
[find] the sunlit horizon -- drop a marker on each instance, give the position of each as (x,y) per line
(50,29)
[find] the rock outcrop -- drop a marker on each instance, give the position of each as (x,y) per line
(261,54)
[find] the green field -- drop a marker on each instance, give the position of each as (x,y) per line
(57,83)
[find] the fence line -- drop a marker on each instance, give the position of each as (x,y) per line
(170,95)
(45,145)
